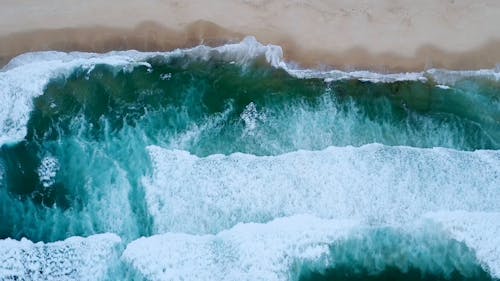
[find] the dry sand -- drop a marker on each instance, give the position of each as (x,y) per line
(385,35)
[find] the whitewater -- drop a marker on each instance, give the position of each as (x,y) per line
(229,163)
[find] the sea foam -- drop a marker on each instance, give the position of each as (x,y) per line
(75,258)
(246,252)
(479,231)
(344,190)
(287,248)
(26,76)
(373,183)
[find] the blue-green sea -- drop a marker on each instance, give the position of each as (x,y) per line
(229,163)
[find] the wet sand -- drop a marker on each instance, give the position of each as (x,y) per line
(383,35)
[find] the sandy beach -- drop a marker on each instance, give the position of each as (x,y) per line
(384,35)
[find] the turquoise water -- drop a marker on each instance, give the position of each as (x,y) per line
(387,255)
(79,170)
(346,273)
(98,124)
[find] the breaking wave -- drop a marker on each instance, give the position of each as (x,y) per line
(234,164)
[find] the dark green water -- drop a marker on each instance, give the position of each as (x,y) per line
(346,273)
(386,254)
(96,125)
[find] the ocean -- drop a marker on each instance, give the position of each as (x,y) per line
(228,163)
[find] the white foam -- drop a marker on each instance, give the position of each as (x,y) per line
(48,171)
(246,252)
(75,258)
(166,76)
(450,77)
(444,87)
(285,248)
(251,117)
(26,75)
(367,76)
(479,231)
(373,183)
(444,78)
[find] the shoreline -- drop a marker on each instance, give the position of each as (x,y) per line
(397,36)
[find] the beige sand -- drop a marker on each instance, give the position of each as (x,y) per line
(385,35)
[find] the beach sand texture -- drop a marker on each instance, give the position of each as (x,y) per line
(386,35)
